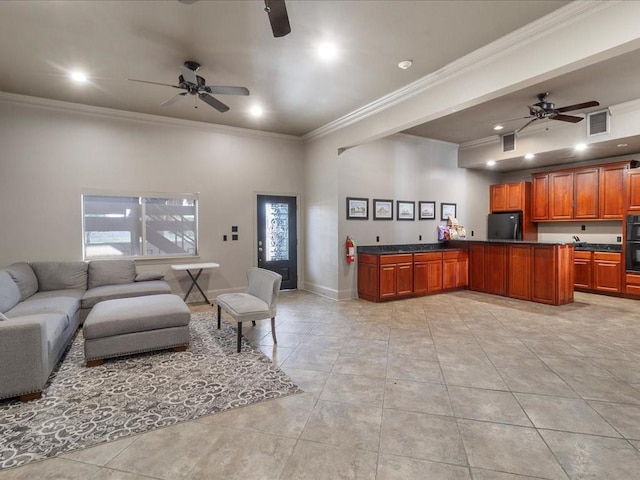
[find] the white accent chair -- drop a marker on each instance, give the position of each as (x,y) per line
(258,303)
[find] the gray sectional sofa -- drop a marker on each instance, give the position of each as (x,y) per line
(42,304)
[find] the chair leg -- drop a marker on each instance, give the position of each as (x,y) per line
(254,322)
(239,336)
(273,330)
(218,317)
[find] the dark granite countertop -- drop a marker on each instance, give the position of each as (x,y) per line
(406,248)
(461,244)
(598,247)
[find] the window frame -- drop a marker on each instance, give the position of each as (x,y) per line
(142,196)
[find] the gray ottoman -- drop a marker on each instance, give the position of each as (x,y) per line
(133,325)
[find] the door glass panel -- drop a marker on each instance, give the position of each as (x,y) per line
(277,231)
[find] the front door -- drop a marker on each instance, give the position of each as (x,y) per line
(277,237)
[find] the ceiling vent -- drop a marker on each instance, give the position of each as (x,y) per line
(509,142)
(598,123)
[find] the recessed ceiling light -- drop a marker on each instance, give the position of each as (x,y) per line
(622,145)
(529,156)
(256,111)
(327,51)
(498,127)
(580,147)
(405,64)
(491,163)
(78,77)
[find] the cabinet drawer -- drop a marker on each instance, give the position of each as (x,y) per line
(401,258)
(368,258)
(426,257)
(633,280)
(582,255)
(607,256)
(455,255)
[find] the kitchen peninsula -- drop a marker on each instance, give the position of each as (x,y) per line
(534,271)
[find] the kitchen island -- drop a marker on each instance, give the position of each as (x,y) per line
(533,271)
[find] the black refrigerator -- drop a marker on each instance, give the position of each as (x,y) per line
(505,226)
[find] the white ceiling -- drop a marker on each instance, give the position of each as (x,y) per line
(41,42)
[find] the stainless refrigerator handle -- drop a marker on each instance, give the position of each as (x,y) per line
(515,231)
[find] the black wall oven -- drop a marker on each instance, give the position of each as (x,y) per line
(633,243)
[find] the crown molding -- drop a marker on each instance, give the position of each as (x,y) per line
(58,105)
(406,137)
(625,107)
(571,13)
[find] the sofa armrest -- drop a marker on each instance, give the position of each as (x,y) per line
(23,348)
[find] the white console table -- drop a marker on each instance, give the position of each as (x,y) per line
(189,268)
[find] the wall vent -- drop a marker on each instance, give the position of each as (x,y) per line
(598,123)
(509,142)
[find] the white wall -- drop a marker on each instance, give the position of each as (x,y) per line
(49,155)
(408,168)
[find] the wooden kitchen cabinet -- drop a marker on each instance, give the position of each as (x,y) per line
(507,197)
(427,273)
(476,267)
(540,201)
(396,276)
(519,271)
(611,189)
(633,190)
(561,196)
(488,268)
(552,274)
(607,271)
(368,276)
(455,266)
(582,270)
(632,281)
(585,185)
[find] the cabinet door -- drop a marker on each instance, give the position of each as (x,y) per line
(495,272)
(476,268)
(404,279)
(585,184)
(420,278)
(519,274)
(582,270)
(515,196)
(544,282)
(388,281)
(367,280)
(462,272)
(561,196)
(434,276)
(498,198)
(633,189)
(540,187)
(607,271)
(610,190)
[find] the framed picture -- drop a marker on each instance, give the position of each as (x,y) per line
(447,210)
(406,210)
(427,210)
(382,209)
(357,208)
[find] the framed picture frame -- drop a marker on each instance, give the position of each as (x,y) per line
(426,210)
(405,210)
(357,208)
(446,210)
(382,209)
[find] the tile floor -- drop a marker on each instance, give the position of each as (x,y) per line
(452,386)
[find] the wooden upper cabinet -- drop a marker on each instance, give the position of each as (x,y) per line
(540,210)
(507,197)
(561,196)
(611,190)
(585,185)
(633,189)
(498,198)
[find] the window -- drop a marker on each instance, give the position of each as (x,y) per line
(134,226)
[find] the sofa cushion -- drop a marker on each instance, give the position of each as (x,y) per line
(111,272)
(148,276)
(9,292)
(110,292)
(25,279)
(60,275)
(67,306)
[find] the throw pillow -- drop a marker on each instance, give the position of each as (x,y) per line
(61,275)
(9,293)
(111,272)
(25,279)
(148,276)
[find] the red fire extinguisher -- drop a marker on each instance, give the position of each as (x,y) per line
(351,250)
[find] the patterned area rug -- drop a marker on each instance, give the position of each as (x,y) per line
(83,406)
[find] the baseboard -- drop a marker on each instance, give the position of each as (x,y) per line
(322,291)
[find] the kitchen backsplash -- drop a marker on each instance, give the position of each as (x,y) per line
(595,232)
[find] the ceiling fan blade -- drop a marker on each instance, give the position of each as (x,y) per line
(153,83)
(526,124)
(277,12)
(214,102)
(189,75)
(173,99)
(567,118)
(222,90)
(578,106)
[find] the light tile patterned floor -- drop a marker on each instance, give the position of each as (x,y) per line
(453,386)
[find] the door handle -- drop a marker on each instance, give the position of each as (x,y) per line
(260,249)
